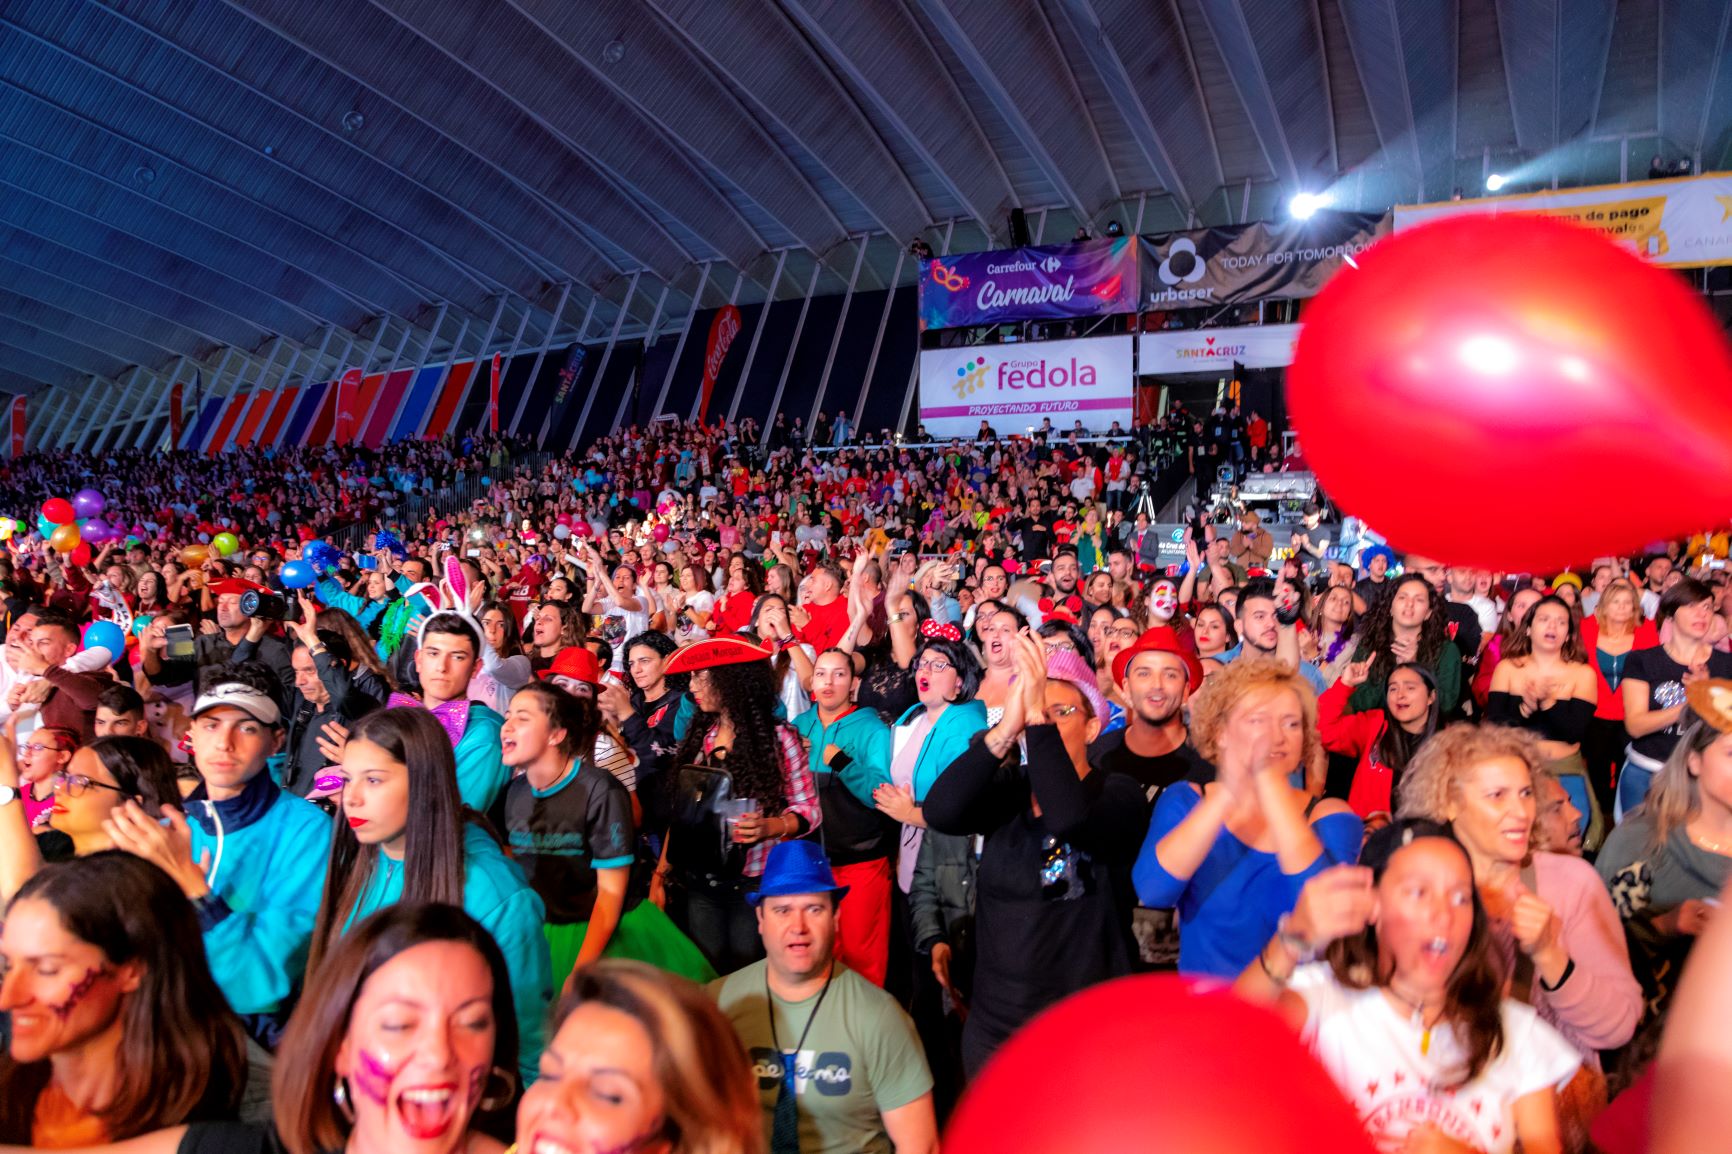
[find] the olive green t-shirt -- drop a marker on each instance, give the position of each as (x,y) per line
(862,1057)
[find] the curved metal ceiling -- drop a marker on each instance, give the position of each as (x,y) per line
(310,183)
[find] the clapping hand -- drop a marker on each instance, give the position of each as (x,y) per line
(1337,903)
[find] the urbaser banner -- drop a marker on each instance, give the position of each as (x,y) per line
(1088,278)
(1250,262)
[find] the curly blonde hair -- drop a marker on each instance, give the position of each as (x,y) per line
(1443,760)
(1223,691)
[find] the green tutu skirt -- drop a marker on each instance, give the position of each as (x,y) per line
(644,934)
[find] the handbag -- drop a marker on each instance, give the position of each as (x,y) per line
(698,814)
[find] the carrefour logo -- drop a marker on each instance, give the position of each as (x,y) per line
(1051,264)
(1181,266)
(971,377)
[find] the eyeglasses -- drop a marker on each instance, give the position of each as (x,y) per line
(75,784)
(1052,647)
(1062,711)
(33,747)
(1129,634)
(932,665)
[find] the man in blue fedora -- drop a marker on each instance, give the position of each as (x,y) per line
(840,1067)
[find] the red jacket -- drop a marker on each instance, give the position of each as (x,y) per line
(1356,735)
(1611,706)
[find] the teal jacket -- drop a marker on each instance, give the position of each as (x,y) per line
(496,894)
(362,609)
(481,772)
(945,741)
(862,736)
(268,850)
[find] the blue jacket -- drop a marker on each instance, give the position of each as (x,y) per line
(481,772)
(862,736)
(495,894)
(267,875)
(362,609)
(945,741)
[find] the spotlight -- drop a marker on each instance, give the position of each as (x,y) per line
(1495,181)
(1305,204)
(614,52)
(353,120)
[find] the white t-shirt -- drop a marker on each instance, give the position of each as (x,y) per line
(1373,1053)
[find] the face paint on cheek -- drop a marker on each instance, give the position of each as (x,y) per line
(372,1076)
(80,991)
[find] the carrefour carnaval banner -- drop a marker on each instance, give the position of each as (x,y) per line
(1014,386)
(1089,278)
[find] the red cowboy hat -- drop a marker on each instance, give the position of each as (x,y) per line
(576,662)
(716,651)
(1160,639)
(235,585)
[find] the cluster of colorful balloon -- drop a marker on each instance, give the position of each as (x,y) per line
(70,527)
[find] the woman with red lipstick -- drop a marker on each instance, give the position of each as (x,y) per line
(640,1062)
(118,1028)
(405,836)
(1405,1006)
(1549,912)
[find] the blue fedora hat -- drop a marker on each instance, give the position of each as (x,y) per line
(797,867)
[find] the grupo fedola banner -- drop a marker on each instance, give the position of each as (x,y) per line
(1217,350)
(1084,279)
(1266,261)
(1013,386)
(1684,222)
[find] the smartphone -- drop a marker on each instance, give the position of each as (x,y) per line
(180,642)
(474,552)
(366,562)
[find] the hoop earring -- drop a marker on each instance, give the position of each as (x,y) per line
(340,1097)
(502,1099)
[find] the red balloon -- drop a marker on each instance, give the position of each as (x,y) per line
(1516,393)
(660,533)
(80,554)
(58,510)
(1152,1063)
(582,529)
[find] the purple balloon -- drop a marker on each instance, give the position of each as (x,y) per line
(96,531)
(88,503)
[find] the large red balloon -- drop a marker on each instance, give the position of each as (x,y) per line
(1515,392)
(1151,1063)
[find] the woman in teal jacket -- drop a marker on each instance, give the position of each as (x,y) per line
(848,749)
(931,734)
(405,837)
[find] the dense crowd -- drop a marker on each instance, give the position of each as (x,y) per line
(723,790)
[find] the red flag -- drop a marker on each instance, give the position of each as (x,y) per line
(723,329)
(493,398)
(176,416)
(18,426)
(348,393)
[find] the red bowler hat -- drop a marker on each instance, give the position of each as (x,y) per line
(235,585)
(576,662)
(1160,639)
(716,651)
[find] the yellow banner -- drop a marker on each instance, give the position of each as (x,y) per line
(1682,223)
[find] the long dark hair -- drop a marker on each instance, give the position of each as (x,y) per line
(433,845)
(580,717)
(512,643)
(142,770)
(305,1077)
(182,1055)
(1521,642)
(748,695)
(1379,630)
(1395,746)
(1473,997)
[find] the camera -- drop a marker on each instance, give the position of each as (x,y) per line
(265,605)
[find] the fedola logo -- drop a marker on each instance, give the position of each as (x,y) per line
(971,377)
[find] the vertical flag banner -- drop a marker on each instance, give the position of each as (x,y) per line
(348,394)
(568,372)
(493,397)
(18,426)
(723,329)
(176,414)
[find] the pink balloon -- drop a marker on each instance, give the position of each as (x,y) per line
(660,533)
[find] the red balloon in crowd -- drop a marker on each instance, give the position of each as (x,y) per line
(80,554)
(581,529)
(58,510)
(1151,1063)
(660,533)
(1516,393)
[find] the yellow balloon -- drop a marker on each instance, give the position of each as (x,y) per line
(65,538)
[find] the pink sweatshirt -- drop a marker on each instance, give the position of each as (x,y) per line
(1600,1003)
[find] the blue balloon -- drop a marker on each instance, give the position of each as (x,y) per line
(105,635)
(141,623)
(45,527)
(298,575)
(487,482)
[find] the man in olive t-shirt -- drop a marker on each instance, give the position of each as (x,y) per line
(840,1046)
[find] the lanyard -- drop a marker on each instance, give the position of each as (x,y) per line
(770,1001)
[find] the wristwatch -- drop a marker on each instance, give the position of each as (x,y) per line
(9,794)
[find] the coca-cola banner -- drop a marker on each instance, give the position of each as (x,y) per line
(1271,260)
(723,329)
(18,429)
(1088,278)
